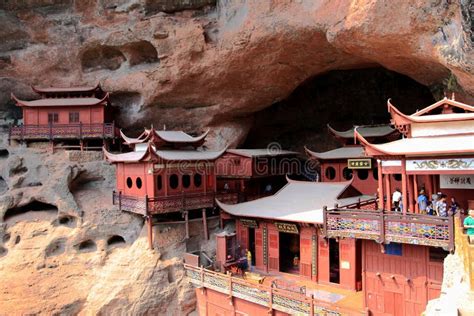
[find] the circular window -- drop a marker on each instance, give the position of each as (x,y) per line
(347,173)
(397,177)
(186,180)
(375,173)
(330,173)
(138,182)
(197,180)
(129,182)
(363,174)
(174,181)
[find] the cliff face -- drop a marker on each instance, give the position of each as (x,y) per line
(198,63)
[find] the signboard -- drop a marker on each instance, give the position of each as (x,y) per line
(362,163)
(287,228)
(440,164)
(456,181)
(249,223)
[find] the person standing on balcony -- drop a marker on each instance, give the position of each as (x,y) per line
(249,260)
(442,206)
(454,205)
(469,225)
(397,198)
(422,202)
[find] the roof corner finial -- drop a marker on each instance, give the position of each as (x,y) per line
(453,97)
(164,127)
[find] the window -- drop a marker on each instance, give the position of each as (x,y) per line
(174,181)
(397,177)
(197,180)
(347,173)
(330,173)
(186,180)
(394,249)
(138,182)
(53,117)
(437,254)
(363,174)
(129,182)
(375,173)
(73,117)
(159,182)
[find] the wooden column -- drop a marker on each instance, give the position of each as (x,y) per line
(204,223)
(404,187)
(415,189)
(149,221)
(380,185)
(429,186)
(186,223)
(411,194)
(388,192)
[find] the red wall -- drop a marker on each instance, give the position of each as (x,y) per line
(367,186)
(87,115)
(234,166)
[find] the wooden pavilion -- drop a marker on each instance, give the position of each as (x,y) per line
(78,114)
(166,172)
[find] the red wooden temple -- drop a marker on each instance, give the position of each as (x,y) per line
(79,114)
(349,162)
(166,172)
(314,257)
(255,172)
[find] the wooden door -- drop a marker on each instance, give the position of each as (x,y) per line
(323,260)
(259,248)
(393,303)
(242,234)
(306,254)
(273,249)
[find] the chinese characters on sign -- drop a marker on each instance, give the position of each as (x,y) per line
(287,228)
(364,163)
(457,181)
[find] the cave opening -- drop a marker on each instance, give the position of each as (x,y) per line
(32,211)
(341,98)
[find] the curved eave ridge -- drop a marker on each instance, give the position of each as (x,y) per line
(345,152)
(61,101)
(189,155)
(366,130)
(41,90)
(180,136)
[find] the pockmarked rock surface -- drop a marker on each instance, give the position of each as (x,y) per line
(199,63)
(65,249)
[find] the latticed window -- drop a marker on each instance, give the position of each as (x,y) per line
(73,117)
(53,117)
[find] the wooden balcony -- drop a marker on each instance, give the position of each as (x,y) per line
(174,203)
(62,131)
(387,226)
(274,298)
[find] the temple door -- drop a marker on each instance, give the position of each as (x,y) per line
(305,252)
(242,234)
(347,251)
(259,248)
(323,260)
(273,249)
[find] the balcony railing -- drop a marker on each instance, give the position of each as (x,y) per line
(273,298)
(173,203)
(62,131)
(387,226)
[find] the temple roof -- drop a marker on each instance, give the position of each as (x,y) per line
(365,130)
(264,152)
(422,146)
(423,116)
(168,155)
(62,101)
(346,152)
(41,90)
(297,201)
(152,134)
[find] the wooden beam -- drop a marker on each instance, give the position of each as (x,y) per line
(186,223)
(150,231)
(204,222)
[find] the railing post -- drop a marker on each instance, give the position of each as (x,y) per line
(80,130)
(451,231)
(120,200)
(311,305)
(103,130)
(22,132)
(202,275)
(382,227)
(325,219)
(50,130)
(270,300)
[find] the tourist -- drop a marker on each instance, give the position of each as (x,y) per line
(434,202)
(249,260)
(469,225)
(422,202)
(442,208)
(397,198)
(430,208)
(454,205)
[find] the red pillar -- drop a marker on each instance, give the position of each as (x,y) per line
(380,185)
(204,222)
(415,190)
(404,187)
(150,231)
(411,194)
(388,192)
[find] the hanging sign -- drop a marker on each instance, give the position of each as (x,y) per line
(287,228)
(248,222)
(362,163)
(456,181)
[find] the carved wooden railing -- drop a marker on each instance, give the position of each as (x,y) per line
(173,203)
(275,299)
(388,226)
(62,131)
